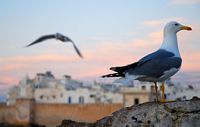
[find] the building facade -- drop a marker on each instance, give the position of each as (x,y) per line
(45,88)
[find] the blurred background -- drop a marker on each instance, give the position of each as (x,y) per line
(108,33)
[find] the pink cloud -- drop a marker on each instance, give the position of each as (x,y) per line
(12,66)
(36,58)
(9,80)
(151,43)
(191,61)
(18,63)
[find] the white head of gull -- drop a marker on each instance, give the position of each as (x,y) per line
(170,37)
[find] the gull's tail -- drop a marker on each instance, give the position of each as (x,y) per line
(119,70)
(122,69)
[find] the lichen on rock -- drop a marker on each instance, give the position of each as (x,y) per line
(151,114)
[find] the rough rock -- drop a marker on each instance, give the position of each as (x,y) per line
(150,114)
(5,124)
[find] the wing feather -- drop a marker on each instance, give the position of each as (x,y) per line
(42,38)
(156,67)
(159,54)
(77,51)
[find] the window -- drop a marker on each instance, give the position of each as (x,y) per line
(92,95)
(152,88)
(54,96)
(81,100)
(136,101)
(41,97)
(69,100)
(143,87)
(61,95)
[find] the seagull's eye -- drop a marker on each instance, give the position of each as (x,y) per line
(176,24)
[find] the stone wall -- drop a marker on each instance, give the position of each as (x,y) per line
(27,112)
(150,114)
(53,114)
(7,113)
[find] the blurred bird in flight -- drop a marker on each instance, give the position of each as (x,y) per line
(56,36)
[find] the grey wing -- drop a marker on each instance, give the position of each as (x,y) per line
(156,67)
(77,50)
(155,55)
(159,54)
(67,39)
(42,38)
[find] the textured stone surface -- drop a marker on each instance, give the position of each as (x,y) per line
(5,124)
(151,114)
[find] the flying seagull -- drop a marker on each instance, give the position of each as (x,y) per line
(57,36)
(157,66)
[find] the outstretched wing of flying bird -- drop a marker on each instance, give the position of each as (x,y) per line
(77,50)
(42,38)
(58,36)
(67,39)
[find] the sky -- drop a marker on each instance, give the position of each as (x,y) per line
(108,33)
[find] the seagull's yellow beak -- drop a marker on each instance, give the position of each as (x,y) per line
(186,28)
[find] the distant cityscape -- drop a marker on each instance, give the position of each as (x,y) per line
(45,88)
(37,99)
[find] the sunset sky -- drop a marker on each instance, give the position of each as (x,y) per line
(108,32)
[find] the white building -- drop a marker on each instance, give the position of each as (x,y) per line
(44,88)
(181,92)
(60,95)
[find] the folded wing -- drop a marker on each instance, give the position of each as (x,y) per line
(161,59)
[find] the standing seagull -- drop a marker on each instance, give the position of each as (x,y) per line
(157,66)
(57,36)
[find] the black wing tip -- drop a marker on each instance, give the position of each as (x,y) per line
(27,46)
(30,44)
(80,56)
(104,76)
(113,68)
(77,50)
